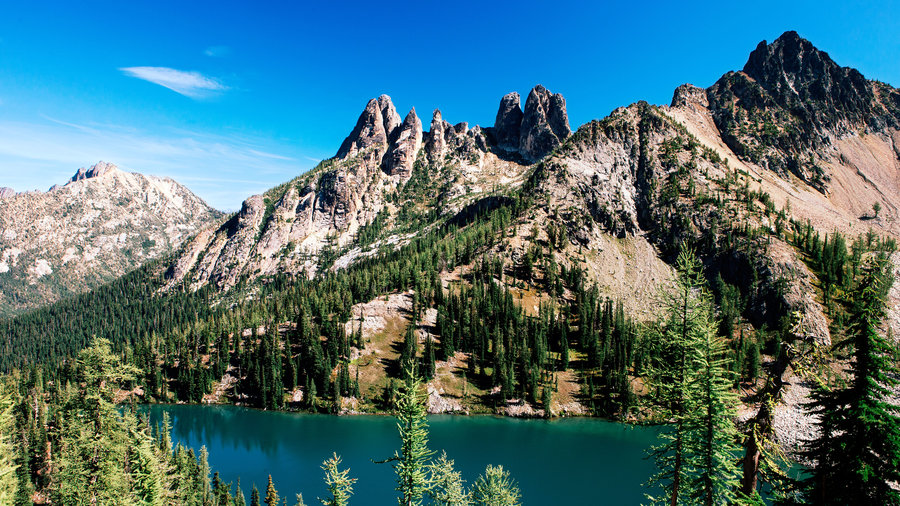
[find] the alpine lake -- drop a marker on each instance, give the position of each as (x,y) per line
(583,461)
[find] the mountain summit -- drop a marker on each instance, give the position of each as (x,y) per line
(792,102)
(99,169)
(101,224)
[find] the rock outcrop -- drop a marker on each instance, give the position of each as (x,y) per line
(535,133)
(436,141)
(508,124)
(6,192)
(545,123)
(688,95)
(403,150)
(101,168)
(101,224)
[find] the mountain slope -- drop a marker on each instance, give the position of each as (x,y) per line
(99,225)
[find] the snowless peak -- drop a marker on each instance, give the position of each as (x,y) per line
(96,170)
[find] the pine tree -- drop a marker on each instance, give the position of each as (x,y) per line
(713,446)
(495,488)
(411,463)
(9,482)
(696,457)
(857,450)
(203,475)
(271,494)
(254,496)
(239,499)
(448,486)
(338,482)
(408,354)
(546,401)
(428,360)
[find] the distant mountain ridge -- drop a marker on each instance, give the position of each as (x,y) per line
(101,224)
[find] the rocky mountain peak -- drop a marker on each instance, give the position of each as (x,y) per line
(402,152)
(801,77)
(545,123)
(58,243)
(96,170)
(6,192)
(369,131)
(508,124)
(391,119)
(378,126)
(436,142)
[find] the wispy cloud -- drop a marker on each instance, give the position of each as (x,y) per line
(223,170)
(265,154)
(217,51)
(188,83)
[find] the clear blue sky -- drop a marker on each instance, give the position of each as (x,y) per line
(231,98)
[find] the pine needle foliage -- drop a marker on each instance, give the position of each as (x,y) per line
(690,390)
(857,450)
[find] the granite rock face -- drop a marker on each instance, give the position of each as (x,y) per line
(6,192)
(389,116)
(508,124)
(545,123)
(403,150)
(436,140)
(375,128)
(369,131)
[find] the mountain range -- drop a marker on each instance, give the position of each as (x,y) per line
(815,137)
(750,173)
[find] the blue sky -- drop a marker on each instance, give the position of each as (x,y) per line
(231,98)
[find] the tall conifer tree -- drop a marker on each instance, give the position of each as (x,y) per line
(857,451)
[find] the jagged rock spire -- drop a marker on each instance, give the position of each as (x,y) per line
(436,144)
(508,124)
(369,131)
(545,123)
(96,170)
(402,153)
(377,126)
(391,120)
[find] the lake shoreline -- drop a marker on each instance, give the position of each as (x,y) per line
(249,443)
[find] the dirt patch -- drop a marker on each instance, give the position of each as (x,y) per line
(221,388)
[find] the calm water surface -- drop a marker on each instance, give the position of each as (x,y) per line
(568,461)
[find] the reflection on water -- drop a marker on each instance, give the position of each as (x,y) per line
(599,462)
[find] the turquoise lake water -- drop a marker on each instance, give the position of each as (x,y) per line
(567,461)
